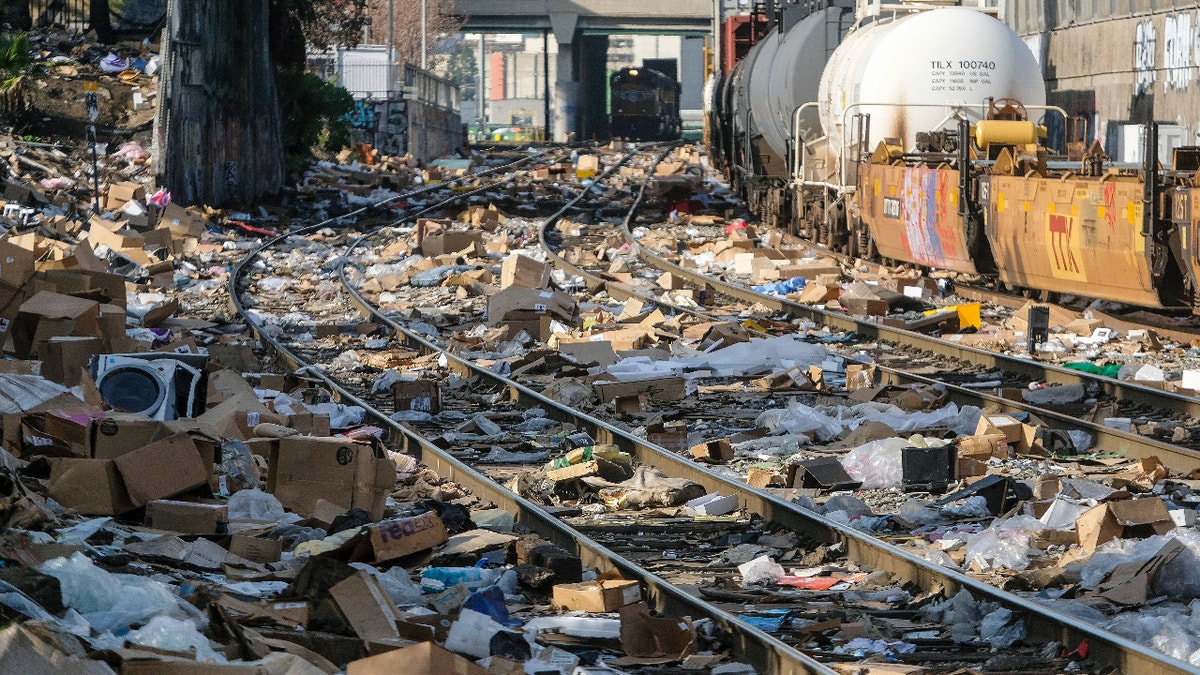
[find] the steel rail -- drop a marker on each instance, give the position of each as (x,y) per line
(760,649)
(1105,646)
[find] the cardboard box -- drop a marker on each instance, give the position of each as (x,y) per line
(712,504)
(367,608)
(348,473)
(124,239)
(521,270)
(534,325)
(982,446)
(91,284)
(596,596)
(64,358)
(1125,519)
(182,222)
(398,537)
(162,469)
(600,353)
(256,549)
(112,436)
(515,299)
(70,426)
(11,300)
(47,314)
(819,294)
(1022,437)
(717,450)
(92,487)
(864,306)
(655,389)
(598,466)
(119,193)
(310,424)
(422,395)
(452,241)
(187,517)
(16,264)
(425,658)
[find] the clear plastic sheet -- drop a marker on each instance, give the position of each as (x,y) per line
(111,602)
(877,464)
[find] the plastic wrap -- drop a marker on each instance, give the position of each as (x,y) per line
(999,629)
(798,418)
(877,464)
(111,602)
(174,635)
(396,583)
(237,466)
(761,570)
(255,505)
(996,548)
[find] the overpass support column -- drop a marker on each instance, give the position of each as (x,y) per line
(566,81)
(593,87)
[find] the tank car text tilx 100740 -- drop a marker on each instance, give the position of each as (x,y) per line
(921,134)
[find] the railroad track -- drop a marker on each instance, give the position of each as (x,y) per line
(451,445)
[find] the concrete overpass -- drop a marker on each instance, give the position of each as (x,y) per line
(581,28)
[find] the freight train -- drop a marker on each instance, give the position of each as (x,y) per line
(921,134)
(644,105)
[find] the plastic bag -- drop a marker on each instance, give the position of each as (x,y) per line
(436,579)
(131,151)
(113,63)
(255,505)
(1169,629)
(975,506)
(917,513)
(497,520)
(849,503)
(996,548)
(877,464)
(396,583)
(238,470)
(798,418)
(472,634)
(761,570)
(1000,631)
(340,416)
(164,632)
(111,602)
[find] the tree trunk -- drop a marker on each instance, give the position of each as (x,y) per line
(218,125)
(100,20)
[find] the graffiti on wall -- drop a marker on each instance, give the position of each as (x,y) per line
(1179,41)
(1144,43)
(363,114)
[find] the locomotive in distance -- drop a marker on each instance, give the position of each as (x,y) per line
(936,152)
(644,105)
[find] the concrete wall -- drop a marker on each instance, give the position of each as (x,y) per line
(1119,63)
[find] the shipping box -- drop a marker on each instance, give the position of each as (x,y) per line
(163,469)
(516,299)
(187,517)
(348,473)
(398,537)
(596,596)
(525,272)
(655,389)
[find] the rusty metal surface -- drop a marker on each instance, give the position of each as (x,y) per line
(912,213)
(1080,236)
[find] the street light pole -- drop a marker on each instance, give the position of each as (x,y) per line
(424,63)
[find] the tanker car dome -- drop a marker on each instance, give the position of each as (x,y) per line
(950,55)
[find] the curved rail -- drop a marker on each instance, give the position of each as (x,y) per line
(1108,647)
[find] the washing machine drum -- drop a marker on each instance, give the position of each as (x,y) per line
(134,388)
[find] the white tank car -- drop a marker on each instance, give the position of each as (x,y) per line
(942,56)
